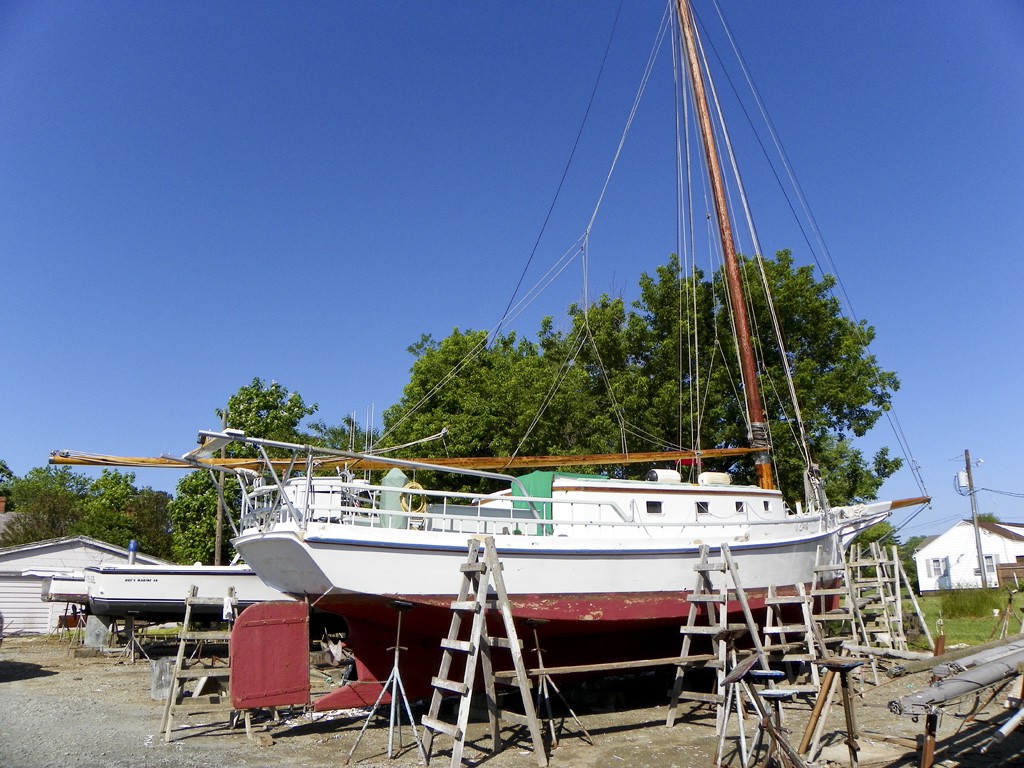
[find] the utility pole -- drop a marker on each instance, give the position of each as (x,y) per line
(974,516)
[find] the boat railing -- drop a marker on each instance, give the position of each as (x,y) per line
(361,503)
(414,508)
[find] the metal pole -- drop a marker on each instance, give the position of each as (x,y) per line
(974,516)
(219,538)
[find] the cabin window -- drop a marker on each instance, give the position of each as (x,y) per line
(767,505)
(654,508)
(937,567)
(703,507)
(741,507)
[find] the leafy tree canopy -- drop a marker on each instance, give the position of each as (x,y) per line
(265,411)
(5,476)
(51,503)
(658,374)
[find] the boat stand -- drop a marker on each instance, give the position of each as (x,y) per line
(545,684)
(768,705)
(837,673)
(132,645)
(396,689)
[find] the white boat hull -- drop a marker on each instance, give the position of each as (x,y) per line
(158,592)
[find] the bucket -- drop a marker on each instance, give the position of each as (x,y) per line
(161,673)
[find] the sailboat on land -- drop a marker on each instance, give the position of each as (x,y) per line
(604,563)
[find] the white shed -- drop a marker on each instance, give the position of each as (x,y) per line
(22,609)
(950,560)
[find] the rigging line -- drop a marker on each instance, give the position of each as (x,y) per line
(687,291)
(907,521)
(616,408)
(560,374)
(752,230)
(565,171)
(560,266)
(680,106)
(645,78)
(891,416)
(429,439)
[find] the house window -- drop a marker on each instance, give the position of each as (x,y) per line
(990,563)
(703,507)
(937,567)
(653,507)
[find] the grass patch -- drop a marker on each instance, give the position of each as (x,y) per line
(966,614)
(971,603)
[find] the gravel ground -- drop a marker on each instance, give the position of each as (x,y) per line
(58,710)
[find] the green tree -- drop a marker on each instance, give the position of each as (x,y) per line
(194,519)
(907,550)
(151,511)
(55,502)
(104,512)
(5,478)
(661,373)
(884,533)
(348,435)
(265,411)
(47,503)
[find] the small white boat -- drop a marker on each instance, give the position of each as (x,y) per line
(158,592)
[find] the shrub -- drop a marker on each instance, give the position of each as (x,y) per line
(977,603)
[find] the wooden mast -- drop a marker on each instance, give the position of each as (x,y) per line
(741,322)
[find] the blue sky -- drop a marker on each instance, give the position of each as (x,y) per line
(194,194)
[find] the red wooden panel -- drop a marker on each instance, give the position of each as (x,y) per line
(270,656)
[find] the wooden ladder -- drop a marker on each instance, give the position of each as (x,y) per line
(194,670)
(790,642)
(481,571)
(845,615)
(712,602)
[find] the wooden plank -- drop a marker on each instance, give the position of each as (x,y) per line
(611,666)
(439,725)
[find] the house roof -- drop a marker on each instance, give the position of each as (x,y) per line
(82,541)
(925,542)
(1006,530)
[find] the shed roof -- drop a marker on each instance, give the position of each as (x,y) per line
(9,554)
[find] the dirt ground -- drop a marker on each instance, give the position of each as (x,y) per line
(60,710)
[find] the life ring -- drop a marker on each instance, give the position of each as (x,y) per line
(406,499)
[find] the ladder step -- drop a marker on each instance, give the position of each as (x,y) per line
(203,704)
(473,567)
(503,642)
(466,605)
(457,645)
(701,597)
(450,685)
(442,727)
(785,629)
(707,698)
(785,600)
(787,657)
(700,630)
(711,567)
(513,717)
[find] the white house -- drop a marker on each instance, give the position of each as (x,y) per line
(24,568)
(950,560)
